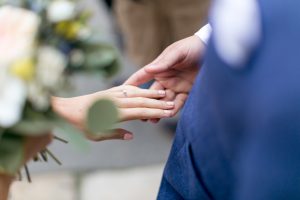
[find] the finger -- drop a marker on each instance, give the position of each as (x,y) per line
(171,57)
(154,121)
(138,78)
(170,97)
(142,76)
(140,102)
(177,84)
(156,86)
(127,114)
(168,74)
(117,134)
(179,102)
(147,93)
(133,93)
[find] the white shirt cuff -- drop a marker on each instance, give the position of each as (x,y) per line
(204,33)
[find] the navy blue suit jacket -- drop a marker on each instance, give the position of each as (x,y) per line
(239,134)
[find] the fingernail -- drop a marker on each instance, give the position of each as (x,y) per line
(154,121)
(167,113)
(170,103)
(128,136)
(161,92)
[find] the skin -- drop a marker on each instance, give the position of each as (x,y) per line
(174,70)
(136,104)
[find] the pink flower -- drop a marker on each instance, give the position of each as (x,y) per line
(18,29)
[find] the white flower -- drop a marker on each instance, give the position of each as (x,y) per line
(18,28)
(50,66)
(61,10)
(77,57)
(18,32)
(12,99)
(84,33)
(49,76)
(38,96)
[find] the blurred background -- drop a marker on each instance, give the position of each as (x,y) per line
(113,170)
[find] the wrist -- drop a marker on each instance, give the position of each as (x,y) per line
(204,33)
(69,108)
(74,109)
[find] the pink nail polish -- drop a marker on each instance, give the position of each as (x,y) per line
(162,92)
(170,103)
(128,136)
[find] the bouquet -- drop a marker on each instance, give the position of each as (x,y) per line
(42,43)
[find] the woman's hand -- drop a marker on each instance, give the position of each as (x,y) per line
(132,102)
(136,103)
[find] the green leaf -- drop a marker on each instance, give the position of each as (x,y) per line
(72,134)
(34,122)
(100,58)
(112,69)
(1,133)
(101,117)
(33,127)
(11,153)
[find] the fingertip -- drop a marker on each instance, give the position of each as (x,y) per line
(170,104)
(152,68)
(128,136)
(161,93)
(149,67)
(154,121)
(168,113)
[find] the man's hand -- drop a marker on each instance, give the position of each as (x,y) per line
(174,70)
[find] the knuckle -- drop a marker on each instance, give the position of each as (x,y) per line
(140,101)
(129,87)
(119,102)
(162,113)
(141,113)
(153,103)
(115,99)
(122,114)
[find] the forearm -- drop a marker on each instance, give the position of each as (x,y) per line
(5,182)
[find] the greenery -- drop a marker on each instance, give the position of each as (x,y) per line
(59,43)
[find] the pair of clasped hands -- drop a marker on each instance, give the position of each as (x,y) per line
(174,72)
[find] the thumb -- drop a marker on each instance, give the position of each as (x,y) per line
(138,78)
(117,134)
(167,60)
